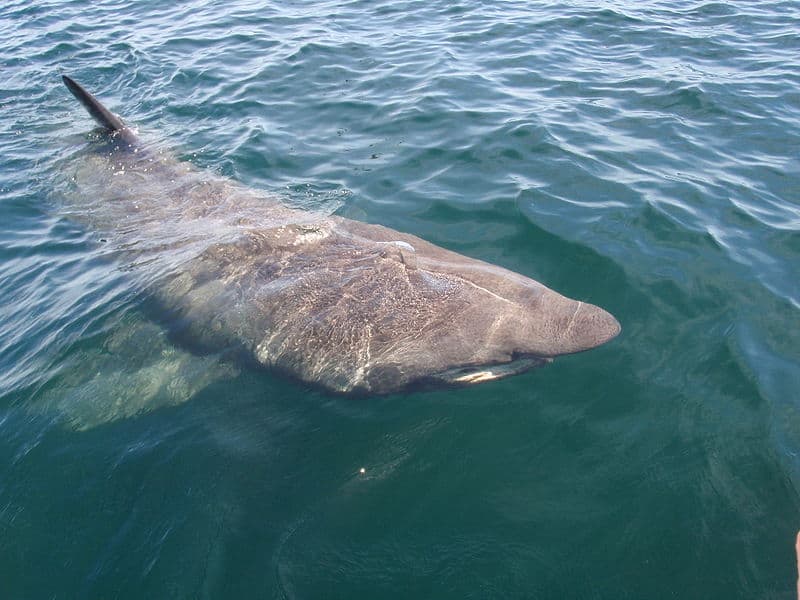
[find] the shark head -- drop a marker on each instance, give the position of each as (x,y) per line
(513,326)
(462,321)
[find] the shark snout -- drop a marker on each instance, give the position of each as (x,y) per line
(588,327)
(556,325)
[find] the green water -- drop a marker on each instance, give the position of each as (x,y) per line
(641,156)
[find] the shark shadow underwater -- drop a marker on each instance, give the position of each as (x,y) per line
(348,306)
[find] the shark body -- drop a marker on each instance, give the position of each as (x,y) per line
(349,306)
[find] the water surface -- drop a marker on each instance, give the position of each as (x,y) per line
(640,156)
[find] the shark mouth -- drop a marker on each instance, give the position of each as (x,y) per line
(468,375)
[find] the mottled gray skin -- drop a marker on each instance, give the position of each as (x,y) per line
(349,306)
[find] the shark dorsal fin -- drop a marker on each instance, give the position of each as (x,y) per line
(100,113)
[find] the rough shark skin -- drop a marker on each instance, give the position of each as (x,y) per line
(349,306)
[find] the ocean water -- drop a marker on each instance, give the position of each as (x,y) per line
(641,156)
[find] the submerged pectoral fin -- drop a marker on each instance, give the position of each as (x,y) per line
(134,371)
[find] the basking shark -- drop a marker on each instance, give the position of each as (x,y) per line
(348,306)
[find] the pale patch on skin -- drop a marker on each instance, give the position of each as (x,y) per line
(484,290)
(480,375)
(477,377)
(572,318)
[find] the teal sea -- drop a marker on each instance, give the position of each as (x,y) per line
(641,156)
